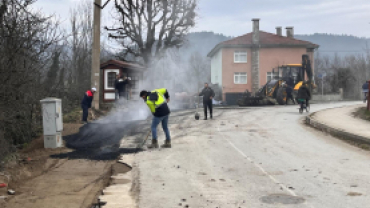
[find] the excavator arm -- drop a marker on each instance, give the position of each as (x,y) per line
(306,66)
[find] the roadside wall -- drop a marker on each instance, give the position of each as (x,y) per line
(342,134)
(328,97)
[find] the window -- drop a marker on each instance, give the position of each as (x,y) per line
(271,75)
(240,57)
(240,78)
(111,79)
(134,82)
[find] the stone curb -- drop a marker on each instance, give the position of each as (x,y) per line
(340,133)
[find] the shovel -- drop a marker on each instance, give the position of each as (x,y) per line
(143,143)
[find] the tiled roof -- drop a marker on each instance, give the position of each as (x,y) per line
(122,64)
(266,40)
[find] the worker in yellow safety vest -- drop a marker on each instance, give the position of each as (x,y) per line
(157,102)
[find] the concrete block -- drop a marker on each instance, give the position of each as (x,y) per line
(121,177)
(117,199)
(118,206)
(119,187)
(116,192)
(121,191)
(127,160)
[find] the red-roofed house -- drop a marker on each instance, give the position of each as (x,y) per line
(246,62)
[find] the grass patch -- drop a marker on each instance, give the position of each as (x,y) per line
(73,116)
(362,113)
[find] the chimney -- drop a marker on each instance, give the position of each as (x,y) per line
(290,32)
(279,31)
(256,31)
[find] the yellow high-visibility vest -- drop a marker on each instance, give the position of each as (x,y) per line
(153,105)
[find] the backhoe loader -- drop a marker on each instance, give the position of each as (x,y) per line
(274,91)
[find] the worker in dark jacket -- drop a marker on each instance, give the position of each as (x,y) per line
(290,81)
(157,102)
(304,94)
(86,104)
(208,94)
(289,94)
(121,86)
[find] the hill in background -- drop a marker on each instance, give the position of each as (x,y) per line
(330,44)
(341,45)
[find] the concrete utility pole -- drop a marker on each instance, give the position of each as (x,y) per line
(95,67)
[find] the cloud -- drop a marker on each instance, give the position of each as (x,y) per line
(61,9)
(233,17)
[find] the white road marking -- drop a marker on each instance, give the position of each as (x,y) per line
(260,167)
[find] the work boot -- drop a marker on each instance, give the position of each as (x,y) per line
(167,144)
(154,144)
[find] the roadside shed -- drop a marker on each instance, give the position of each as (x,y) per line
(109,71)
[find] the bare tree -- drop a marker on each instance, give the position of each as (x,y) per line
(148,27)
(200,70)
(26,42)
(348,73)
(81,43)
(75,56)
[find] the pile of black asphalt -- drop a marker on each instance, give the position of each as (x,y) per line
(100,140)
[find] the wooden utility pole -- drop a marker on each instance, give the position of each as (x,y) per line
(95,67)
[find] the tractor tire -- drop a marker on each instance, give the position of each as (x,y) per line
(281,96)
(241,102)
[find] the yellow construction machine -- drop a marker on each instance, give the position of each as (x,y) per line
(274,91)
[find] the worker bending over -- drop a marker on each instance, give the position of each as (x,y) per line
(86,104)
(157,102)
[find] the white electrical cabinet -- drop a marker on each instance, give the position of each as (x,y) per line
(52,121)
(53,141)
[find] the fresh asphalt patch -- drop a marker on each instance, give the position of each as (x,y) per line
(101,141)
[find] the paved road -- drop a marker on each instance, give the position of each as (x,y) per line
(254,157)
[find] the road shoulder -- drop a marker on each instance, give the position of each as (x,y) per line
(341,123)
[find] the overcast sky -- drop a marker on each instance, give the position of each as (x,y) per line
(233,17)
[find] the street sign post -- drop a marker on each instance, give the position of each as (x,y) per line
(321,76)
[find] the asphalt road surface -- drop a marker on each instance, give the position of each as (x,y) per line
(253,157)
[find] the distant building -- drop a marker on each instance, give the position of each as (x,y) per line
(246,62)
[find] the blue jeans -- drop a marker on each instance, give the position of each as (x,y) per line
(155,122)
